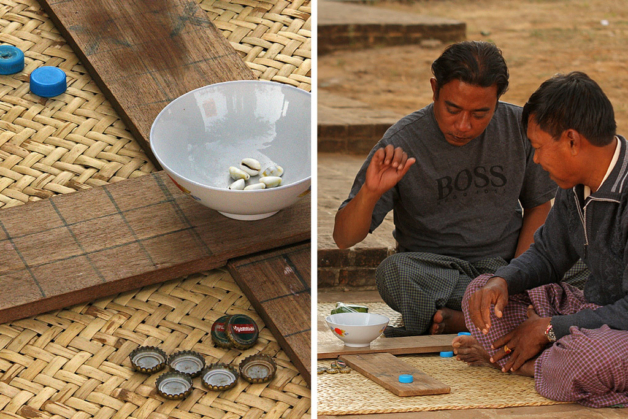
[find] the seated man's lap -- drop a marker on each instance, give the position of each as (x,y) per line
(589,366)
(417,284)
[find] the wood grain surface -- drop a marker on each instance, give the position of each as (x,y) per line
(78,247)
(384,369)
(328,349)
(278,285)
(144,54)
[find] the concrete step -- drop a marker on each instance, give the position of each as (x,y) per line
(350,126)
(352,268)
(343,26)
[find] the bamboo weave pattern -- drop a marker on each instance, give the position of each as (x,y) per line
(74,363)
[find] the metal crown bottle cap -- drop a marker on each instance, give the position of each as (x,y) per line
(189,363)
(148,359)
(258,368)
(219,377)
(242,331)
(219,333)
(174,385)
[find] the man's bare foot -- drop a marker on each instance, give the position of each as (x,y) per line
(468,349)
(447,320)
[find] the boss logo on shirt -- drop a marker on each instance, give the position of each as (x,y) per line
(469,180)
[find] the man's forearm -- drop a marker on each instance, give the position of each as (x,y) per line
(354,220)
(533,218)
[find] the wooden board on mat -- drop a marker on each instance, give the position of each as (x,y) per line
(144,54)
(384,369)
(278,285)
(75,248)
(407,345)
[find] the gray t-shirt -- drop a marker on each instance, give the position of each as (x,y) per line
(464,201)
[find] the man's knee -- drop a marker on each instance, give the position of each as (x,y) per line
(389,270)
(585,365)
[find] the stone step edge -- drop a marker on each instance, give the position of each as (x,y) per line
(350,268)
(350,138)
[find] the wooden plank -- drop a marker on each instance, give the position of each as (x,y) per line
(407,345)
(384,369)
(143,54)
(78,247)
(278,284)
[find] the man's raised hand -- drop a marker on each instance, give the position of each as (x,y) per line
(387,167)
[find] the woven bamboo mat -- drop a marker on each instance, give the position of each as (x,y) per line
(272,36)
(77,141)
(471,388)
(74,363)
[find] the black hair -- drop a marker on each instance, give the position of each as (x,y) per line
(572,101)
(477,63)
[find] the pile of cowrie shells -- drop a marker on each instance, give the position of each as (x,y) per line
(270,176)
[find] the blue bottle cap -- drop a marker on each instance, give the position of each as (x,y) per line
(406,378)
(464,334)
(447,354)
(48,81)
(11,59)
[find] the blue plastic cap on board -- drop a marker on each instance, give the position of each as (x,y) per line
(11,59)
(48,81)
(464,334)
(447,354)
(406,378)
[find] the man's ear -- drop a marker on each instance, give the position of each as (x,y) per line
(434,84)
(575,141)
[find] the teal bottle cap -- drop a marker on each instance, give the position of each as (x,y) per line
(11,59)
(48,81)
(447,354)
(406,378)
(219,333)
(242,331)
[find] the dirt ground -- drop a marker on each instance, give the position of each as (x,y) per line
(538,39)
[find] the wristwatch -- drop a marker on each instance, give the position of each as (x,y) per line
(549,333)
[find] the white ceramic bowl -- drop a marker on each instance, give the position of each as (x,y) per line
(357,329)
(200,134)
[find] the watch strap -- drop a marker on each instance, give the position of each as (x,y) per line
(549,333)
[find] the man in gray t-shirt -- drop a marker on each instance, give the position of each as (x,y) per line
(456,173)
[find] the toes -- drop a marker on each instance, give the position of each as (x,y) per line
(463,350)
(467,358)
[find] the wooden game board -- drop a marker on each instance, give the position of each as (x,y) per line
(144,54)
(75,248)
